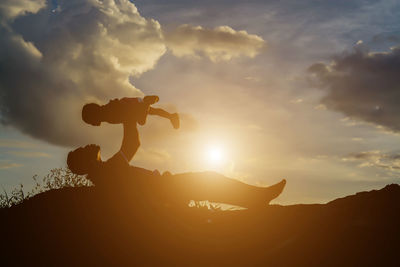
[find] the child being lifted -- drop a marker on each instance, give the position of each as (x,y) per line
(126,110)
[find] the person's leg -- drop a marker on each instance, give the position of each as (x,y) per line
(159,112)
(217,188)
(173,117)
(143,108)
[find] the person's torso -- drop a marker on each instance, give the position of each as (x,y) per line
(123,110)
(110,172)
(118,174)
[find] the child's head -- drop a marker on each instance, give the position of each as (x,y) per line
(150,99)
(91,114)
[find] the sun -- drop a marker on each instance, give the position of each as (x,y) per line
(214,155)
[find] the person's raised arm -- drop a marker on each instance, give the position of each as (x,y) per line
(130,142)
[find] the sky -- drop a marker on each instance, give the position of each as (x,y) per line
(302,90)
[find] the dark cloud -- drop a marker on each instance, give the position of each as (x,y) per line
(9,9)
(363,85)
(296,31)
(52,61)
(376,158)
(30,92)
(381,38)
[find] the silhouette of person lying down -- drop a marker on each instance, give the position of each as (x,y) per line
(116,171)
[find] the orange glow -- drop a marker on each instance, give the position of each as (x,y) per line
(215,154)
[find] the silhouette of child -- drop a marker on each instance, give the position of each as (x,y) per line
(126,110)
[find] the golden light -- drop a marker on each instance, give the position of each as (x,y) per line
(214,155)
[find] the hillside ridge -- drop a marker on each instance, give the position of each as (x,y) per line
(84,225)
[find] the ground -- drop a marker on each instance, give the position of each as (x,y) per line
(84,225)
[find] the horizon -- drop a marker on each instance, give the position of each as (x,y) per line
(265,91)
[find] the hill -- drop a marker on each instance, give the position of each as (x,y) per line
(86,226)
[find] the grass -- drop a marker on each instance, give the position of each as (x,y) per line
(62,177)
(57,178)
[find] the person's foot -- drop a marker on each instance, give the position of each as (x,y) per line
(175,120)
(151,99)
(274,191)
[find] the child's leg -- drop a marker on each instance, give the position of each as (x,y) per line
(173,117)
(160,112)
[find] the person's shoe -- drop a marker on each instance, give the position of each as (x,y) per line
(269,193)
(151,99)
(175,120)
(275,190)
(265,195)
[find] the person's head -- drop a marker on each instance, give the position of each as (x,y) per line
(150,99)
(91,114)
(82,160)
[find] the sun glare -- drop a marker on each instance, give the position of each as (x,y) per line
(214,155)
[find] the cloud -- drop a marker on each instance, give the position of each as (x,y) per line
(16,144)
(383,38)
(10,9)
(8,165)
(376,158)
(51,63)
(218,44)
(53,60)
(363,85)
(29,154)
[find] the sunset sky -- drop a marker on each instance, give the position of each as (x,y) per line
(303,90)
